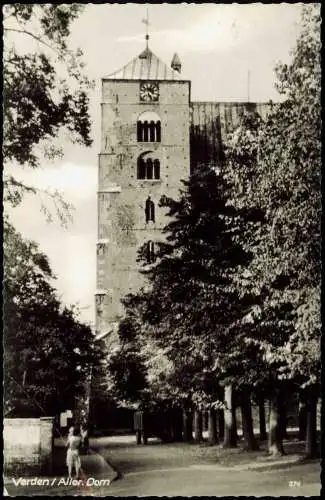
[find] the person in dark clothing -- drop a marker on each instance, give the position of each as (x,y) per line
(139,426)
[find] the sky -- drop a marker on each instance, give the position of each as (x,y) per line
(218,45)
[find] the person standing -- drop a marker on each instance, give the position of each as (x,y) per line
(73,452)
(140,427)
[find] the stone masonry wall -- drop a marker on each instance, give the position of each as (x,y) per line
(121,196)
(28,445)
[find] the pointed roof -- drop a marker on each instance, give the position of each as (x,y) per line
(176,63)
(146,66)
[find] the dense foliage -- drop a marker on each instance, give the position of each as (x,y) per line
(276,164)
(45,88)
(48,352)
(233,298)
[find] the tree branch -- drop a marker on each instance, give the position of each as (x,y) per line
(12,181)
(25,32)
(62,208)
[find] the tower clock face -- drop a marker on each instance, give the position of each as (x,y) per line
(149,91)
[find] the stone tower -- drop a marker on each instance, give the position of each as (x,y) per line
(145,153)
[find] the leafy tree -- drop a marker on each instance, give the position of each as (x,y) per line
(45,90)
(194,305)
(48,352)
(126,364)
(45,93)
(276,165)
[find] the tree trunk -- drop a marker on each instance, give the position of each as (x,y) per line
(212,427)
(311,430)
(176,425)
(283,422)
(261,408)
(187,426)
(230,434)
(198,423)
(247,422)
(221,424)
(242,410)
(167,426)
(302,420)
(138,436)
(275,444)
(234,416)
(206,421)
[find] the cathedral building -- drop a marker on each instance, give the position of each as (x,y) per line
(152,137)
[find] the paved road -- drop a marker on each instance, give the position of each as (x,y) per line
(160,470)
(169,470)
(199,482)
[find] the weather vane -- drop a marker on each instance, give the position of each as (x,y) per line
(146,22)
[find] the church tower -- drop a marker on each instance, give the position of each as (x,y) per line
(145,118)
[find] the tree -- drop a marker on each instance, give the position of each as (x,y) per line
(300,83)
(45,90)
(276,165)
(126,364)
(193,306)
(48,352)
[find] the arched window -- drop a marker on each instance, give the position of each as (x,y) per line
(150,210)
(151,252)
(139,131)
(156,169)
(147,167)
(145,132)
(141,169)
(158,132)
(152,131)
(148,127)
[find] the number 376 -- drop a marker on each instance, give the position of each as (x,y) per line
(294,484)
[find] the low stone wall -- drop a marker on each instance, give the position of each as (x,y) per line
(28,445)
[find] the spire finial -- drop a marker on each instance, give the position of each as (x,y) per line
(146,22)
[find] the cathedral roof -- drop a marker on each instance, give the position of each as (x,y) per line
(146,66)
